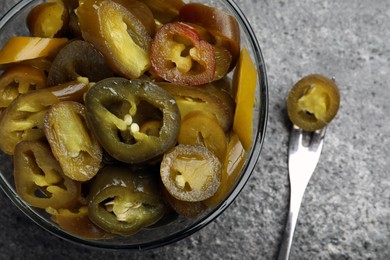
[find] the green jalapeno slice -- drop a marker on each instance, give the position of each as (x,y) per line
(124,200)
(78,59)
(117,107)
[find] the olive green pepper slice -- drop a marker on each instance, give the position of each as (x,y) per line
(73,144)
(78,58)
(39,179)
(313,102)
(124,200)
(117,107)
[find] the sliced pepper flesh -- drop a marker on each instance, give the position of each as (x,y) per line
(72,143)
(117,107)
(190,172)
(23,118)
(206,98)
(78,59)
(313,102)
(39,179)
(123,200)
(223,26)
(49,19)
(25,48)
(115,29)
(164,10)
(19,79)
(199,128)
(244,87)
(179,55)
(77,222)
(232,166)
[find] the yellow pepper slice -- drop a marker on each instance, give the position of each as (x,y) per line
(234,162)
(115,29)
(24,48)
(49,19)
(19,79)
(77,222)
(200,128)
(244,86)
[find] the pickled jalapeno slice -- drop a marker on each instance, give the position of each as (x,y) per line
(117,107)
(121,30)
(180,55)
(49,19)
(199,128)
(23,119)
(78,59)
(313,102)
(28,49)
(190,172)
(19,79)
(76,222)
(39,179)
(73,144)
(124,200)
(206,98)
(220,24)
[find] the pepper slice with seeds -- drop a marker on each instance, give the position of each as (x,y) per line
(191,172)
(117,107)
(71,141)
(313,102)
(123,200)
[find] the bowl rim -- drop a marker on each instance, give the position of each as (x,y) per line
(258,141)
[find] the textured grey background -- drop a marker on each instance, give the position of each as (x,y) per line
(346,209)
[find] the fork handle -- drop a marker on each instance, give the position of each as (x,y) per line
(295,204)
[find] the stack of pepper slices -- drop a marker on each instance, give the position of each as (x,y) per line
(119,114)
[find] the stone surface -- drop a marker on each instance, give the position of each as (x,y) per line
(346,208)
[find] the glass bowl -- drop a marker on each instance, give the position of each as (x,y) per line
(13,23)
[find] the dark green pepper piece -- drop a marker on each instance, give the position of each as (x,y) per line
(116,110)
(78,59)
(123,200)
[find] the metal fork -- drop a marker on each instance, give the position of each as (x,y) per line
(303,155)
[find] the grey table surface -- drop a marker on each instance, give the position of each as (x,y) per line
(346,207)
